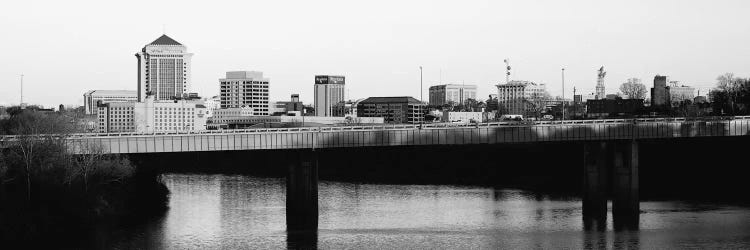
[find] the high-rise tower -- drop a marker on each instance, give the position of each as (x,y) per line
(329,95)
(163,69)
(600,94)
(245,89)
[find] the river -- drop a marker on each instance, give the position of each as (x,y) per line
(241,212)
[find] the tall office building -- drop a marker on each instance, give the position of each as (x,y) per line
(660,92)
(93,97)
(329,95)
(163,69)
(452,93)
(245,89)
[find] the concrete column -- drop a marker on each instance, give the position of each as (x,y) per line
(595,183)
(302,192)
(625,205)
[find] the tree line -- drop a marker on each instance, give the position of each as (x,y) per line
(46,191)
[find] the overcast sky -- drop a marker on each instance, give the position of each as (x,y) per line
(65,48)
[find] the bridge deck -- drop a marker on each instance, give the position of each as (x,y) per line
(405,135)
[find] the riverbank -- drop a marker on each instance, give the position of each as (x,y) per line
(58,198)
(51,198)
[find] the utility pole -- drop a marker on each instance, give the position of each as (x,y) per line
(563,93)
(421,100)
(21,104)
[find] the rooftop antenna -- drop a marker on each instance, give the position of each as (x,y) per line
(507,71)
(163,29)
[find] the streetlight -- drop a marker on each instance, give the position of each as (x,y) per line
(21,104)
(421,102)
(563,94)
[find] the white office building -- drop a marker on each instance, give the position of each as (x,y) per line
(461,117)
(93,97)
(246,90)
(152,116)
(163,69)
(212,104)
(679,93)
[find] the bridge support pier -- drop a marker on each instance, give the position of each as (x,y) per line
(302,192)
(595,183)
(618,162)
(625,204)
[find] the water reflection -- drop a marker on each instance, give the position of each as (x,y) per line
(302,240)
(215,211)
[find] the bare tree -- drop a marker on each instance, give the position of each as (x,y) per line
(732,92)
(536,103)
(634,89)
(36,134)
(91,157)
(726,82)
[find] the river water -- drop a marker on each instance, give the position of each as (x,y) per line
(241,212)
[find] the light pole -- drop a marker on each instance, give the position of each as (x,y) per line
(563,94)
(420,95)
(21,104)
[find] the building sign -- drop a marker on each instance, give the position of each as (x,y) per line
(336,79)
(321,79)
(329,80)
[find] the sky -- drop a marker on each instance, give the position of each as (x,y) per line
(65,48)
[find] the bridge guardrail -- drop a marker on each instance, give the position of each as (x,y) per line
(399,126)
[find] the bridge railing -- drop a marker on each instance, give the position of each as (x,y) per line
(398,127)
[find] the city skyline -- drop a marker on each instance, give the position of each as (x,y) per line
(630,39)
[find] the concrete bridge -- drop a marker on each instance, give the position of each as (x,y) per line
(405,135)
(610,151)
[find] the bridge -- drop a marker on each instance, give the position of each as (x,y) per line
(610,151)
(404,135)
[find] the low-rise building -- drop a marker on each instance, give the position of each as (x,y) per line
(93,98)
(680,93)
(400,109)
(151,116)
(284,107)
(462,117)
(613,108)
(212,104)
(240,122)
